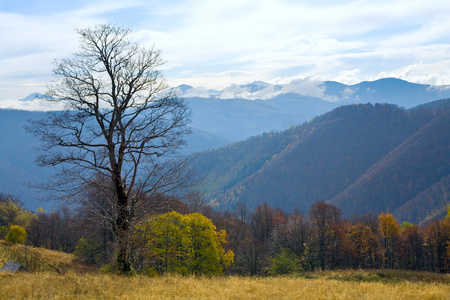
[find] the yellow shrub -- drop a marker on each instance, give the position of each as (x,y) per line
(17,234)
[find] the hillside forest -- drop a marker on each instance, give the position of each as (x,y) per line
(361,158)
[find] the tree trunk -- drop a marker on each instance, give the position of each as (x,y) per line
(123,255)
(123,232)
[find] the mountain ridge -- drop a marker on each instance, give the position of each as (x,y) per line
(331,91)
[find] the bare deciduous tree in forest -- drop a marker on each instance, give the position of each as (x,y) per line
(119,120)
(323,218)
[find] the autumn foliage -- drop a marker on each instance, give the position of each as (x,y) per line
(266,241)
(269,241)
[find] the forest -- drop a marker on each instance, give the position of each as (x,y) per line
(266,241)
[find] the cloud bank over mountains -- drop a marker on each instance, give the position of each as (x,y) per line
(386,90)
(33,102)
(329,91)
(260,90)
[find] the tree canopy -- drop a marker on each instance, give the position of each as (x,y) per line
(185,244)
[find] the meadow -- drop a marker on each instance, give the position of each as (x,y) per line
(328,285)
(60,276)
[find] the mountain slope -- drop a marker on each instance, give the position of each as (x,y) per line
(327,158)
(427,205)
(418,163)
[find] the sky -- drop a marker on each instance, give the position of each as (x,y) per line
(213,44)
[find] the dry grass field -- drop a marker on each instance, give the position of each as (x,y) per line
(338,285)
(60,277)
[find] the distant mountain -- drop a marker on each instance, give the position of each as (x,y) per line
(35,96)
(363,158)
(238,119)
(394,91)
(385,90)
(263,111)
(240,111)
(230,114)
(200,140)
(184,88)
(17,166)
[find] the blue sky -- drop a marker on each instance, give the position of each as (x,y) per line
(213,44)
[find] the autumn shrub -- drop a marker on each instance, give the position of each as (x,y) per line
(17,234)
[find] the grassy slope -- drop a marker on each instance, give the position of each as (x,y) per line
(39,259)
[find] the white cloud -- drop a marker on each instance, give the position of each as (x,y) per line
(36,105)
(213,44)
(348,76)
(201,93)
(305,87)
(432,31)
(437,73)
(245,92)
(261,90)
(348,93)
(215,80)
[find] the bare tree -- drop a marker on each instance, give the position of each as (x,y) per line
(119,127)
(324,218)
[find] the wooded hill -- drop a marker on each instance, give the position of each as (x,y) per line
(361,158)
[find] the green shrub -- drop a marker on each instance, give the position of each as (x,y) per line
(284,262)
(17,234)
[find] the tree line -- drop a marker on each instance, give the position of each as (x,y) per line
(270,241)
(267,241)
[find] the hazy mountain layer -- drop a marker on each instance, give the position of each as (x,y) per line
(17,155)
